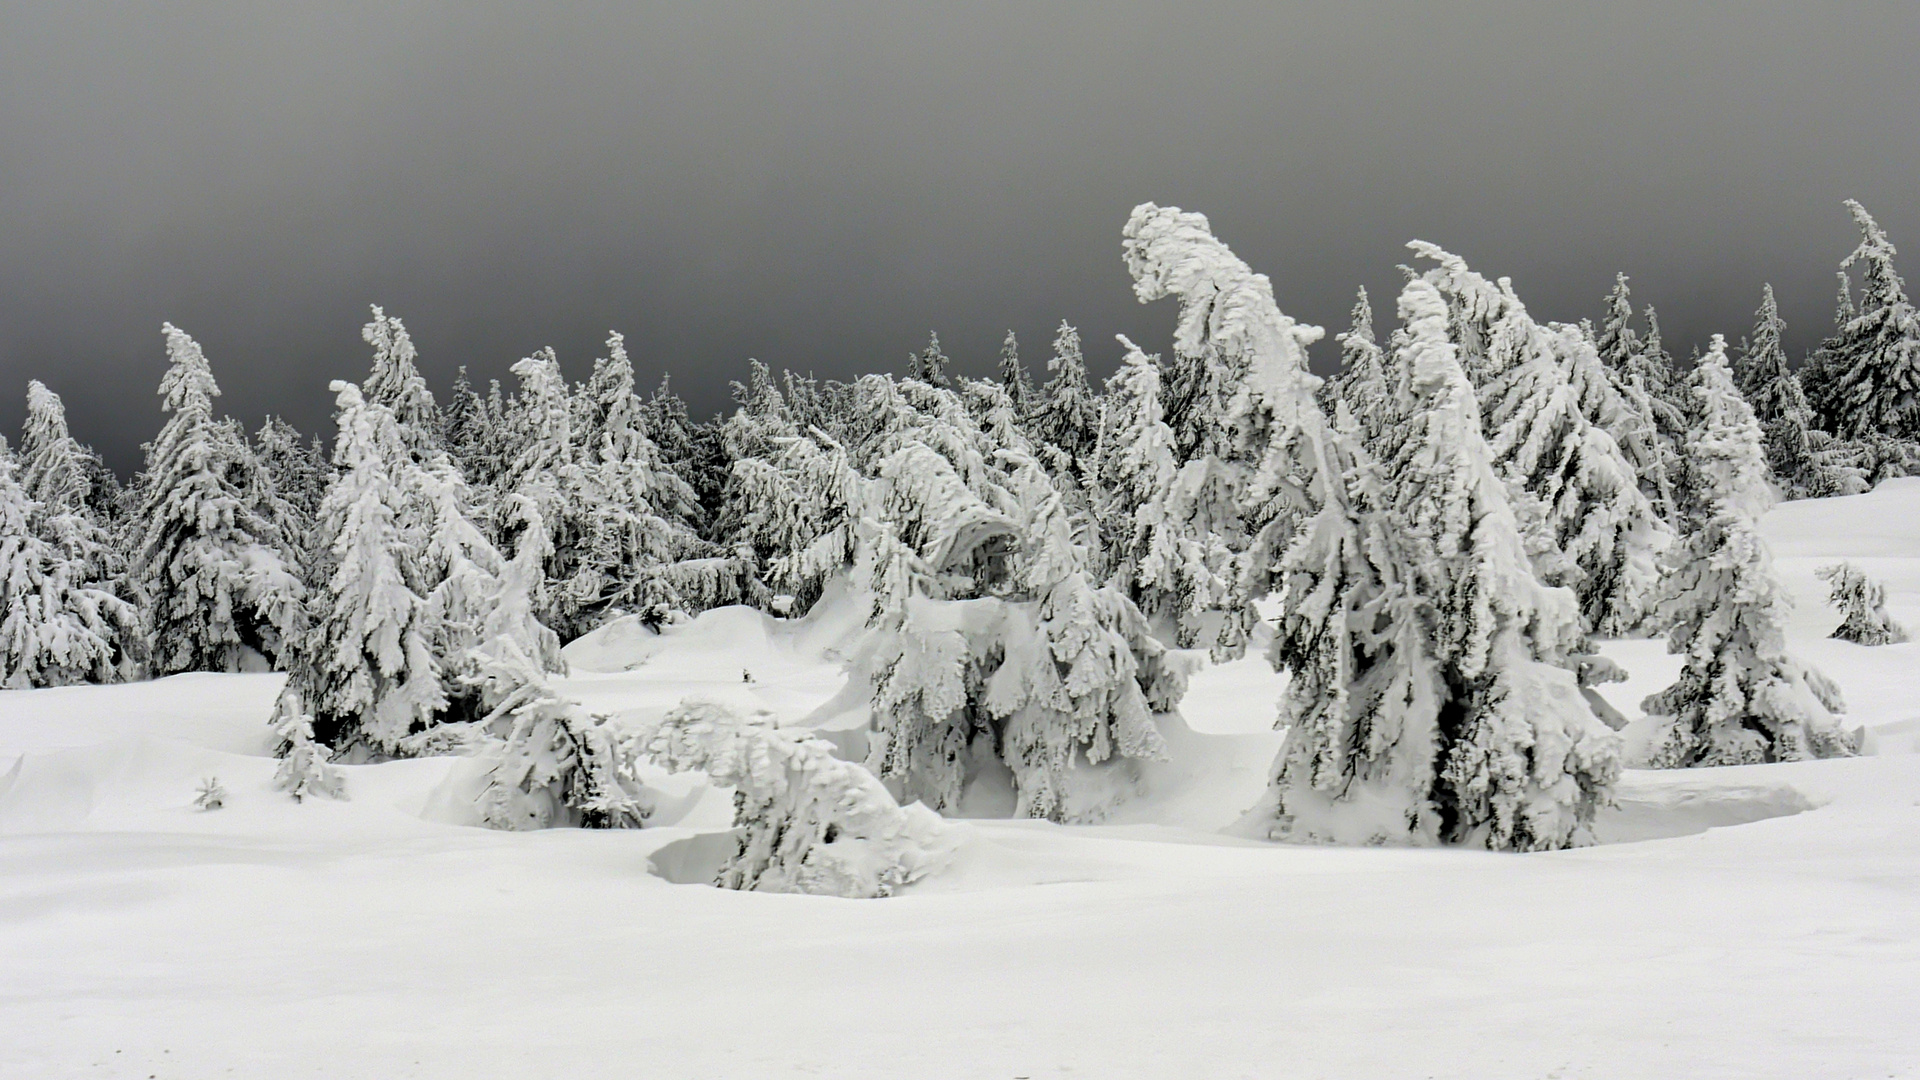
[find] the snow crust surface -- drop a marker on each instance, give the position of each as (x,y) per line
(1761,921)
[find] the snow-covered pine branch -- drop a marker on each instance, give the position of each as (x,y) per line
(809,822)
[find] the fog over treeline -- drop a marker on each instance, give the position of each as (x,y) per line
(818,186)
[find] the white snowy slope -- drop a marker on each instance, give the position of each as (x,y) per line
(1753,922)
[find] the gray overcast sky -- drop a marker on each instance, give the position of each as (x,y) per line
(818,185)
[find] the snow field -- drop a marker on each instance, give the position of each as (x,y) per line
(1763,921)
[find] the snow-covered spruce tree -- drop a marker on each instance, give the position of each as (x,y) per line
(1863,606)
(809,822)
(1013,376)
(395,383)
(1646,425)
(1563,470)
(1803,461)
(214,585)
(982,640)
(639,510)
(464,429)
(1165,552)
(55,475)
(1068,416)
(58,626)
(1079,676)
(305,763)
(1516,727)
(929,365)
(1818,375)
(1740,698)
(551,469)
(1876,355)
(1362,383)
(297,468)
(555,764)
(1365,700)
(371,673)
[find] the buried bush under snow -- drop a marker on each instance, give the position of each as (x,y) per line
(810,822)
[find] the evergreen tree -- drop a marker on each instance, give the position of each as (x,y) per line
(1818,376)
(551,469)
(1169,557)
(1362,384)
(1522,763)
(929,365)
(1569,475)
(1876,355)
(215,584)
(1740,698)
(1863,606)
(395,383)
(1013,376)
(57,626)
(372,675)
(305,767)
(556,764)
(464,429)
(55,474)
(1069,414)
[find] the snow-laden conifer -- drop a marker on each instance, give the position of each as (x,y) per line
(554,764)
(214,583)
(1876,355)
(58,626)
(1068,417)
(55,475)
(1362,382)
(809,822)
(638,509)
(1741,698)
(305,763)
(1863,607)
(1366,690)
(1804,461)
(1013,376)
(929,365)
(395,383)
(372,672)
(1522,762)
(1166,551)
(1584,494)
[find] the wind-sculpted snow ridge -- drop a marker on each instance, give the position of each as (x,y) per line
(810,822)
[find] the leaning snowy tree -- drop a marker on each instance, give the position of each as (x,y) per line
(1741,698)
(57,626)
(1875,356)
(215,587)
(1373,752)
(1863,607)
(1573,488)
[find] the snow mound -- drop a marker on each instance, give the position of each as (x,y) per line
(1657,804)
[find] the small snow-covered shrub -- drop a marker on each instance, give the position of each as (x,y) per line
(810,822)
(210,795)
(305,768)
(1863,603)
(558,763)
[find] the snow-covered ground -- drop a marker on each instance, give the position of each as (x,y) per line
(1751,922)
